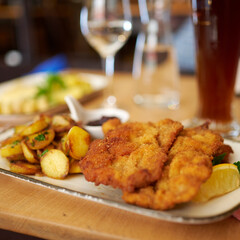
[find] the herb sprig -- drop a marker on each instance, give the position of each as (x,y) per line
(238,165)
(52,81)
(218,159)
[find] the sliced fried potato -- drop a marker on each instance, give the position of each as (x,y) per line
(10,140)
(46,117)
(18,129)
(62,145)
(41,152)
(41,139)
(78,141)
(29,154)
(62,123)
(24,168)
(110,125)
(12,151)
(55,164)
(35,127)
(74,166)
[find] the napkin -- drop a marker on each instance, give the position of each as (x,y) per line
(237,214)
(54,64)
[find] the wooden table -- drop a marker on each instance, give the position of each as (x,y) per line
(34,210)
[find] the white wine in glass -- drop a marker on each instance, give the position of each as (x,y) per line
(106,25)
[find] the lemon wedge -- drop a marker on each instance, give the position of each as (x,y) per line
(225,178)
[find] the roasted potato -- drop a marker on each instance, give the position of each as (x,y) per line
(55,164)
(110,125)
(29,154)
(41,152)
(18,129)
(10,140)
(62,145)
(12,151)
(74,166)
(41,139)
(24,168)
(78,141)
(62,123)
(45,147)
(35,127)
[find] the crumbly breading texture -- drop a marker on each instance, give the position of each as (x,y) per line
(132,155)
(189,164)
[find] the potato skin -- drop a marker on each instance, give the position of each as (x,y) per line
(110,125)
(26,168)
(78,141)
(61,123)
(74,166)
(29,154)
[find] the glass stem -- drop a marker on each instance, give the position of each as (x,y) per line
(108,66)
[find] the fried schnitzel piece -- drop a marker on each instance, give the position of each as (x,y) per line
(189,165)
(130,156)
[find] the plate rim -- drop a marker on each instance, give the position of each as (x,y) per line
(161,215)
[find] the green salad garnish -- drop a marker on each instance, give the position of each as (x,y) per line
(53,81)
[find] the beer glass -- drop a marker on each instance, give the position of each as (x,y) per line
(217,35)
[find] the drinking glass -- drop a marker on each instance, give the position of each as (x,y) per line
(106,25)
(155,67)
(217,34)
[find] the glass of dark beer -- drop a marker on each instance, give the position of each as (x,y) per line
(217,35)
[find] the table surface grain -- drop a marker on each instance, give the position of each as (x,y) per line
(34,210)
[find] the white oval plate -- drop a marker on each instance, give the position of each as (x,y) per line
(191,213)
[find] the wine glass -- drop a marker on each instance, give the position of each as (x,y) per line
(106,25)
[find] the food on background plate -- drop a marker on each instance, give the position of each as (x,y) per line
(157,165)
(22,98)
(49,146)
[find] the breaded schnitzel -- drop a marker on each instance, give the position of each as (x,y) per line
(189,164)
(130,156)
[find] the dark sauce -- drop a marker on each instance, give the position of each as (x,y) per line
(99,122)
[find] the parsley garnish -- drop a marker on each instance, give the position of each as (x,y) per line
(218,159)
(40,137)
(45,151)
(52,82)
(238,165)
(15,143)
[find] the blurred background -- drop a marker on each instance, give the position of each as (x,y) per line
(32,31)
